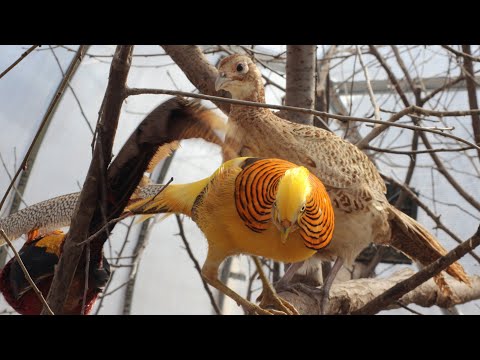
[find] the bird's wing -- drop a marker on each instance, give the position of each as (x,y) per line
(338,163)
(255,188)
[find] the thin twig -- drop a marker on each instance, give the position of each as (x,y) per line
(460,53)
(115,289)
(376,109)
(411,152)
(18,60)
(87,271)
(413,157)
(196,264)
(57,97)
(408,110)
(142,243)
(10,178)
(441,168)
(435,218)
(25,272)
(445,86)
(113,221)
(117,260)
(106,56)
(399,303)
(142,211)
(73,91)
(396,292)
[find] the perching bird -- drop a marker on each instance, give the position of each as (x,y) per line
(357,191)
(40,254)
(266,207)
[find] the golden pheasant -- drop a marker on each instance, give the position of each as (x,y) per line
(266,207)
(40,254)
(356,189)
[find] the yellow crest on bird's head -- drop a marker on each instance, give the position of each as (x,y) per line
(292,192)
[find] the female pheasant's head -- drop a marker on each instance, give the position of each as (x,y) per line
(294,190)
(238,75)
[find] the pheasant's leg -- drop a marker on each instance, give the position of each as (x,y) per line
(284,282)
(328,284)
(269,295)
(210,274)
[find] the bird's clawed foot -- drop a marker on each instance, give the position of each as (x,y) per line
(320,296)
(253,309)
(270,299)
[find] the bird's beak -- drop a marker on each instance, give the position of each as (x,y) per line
(286,227)
(284,235)
(220,82)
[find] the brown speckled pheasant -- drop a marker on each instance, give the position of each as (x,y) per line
(357,191)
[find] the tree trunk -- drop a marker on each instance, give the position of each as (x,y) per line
(89,197)
(300,89)
(472,93)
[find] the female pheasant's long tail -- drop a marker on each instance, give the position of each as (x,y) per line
(415,241)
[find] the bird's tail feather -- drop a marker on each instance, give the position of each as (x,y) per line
(415,241)
(143,218)
(175,198)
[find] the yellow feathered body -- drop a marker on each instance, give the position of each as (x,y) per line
(210,202)
(216,215)
(265,207)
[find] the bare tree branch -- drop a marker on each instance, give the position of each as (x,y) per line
(198,70)
(196,264)
(18,60)
(418,101)
(376,108)
(142,244)
(348,296)
(413,152)
(435,218)
(396,292)
(114,96)
(391,122)
(464,54)
(441,168)
(82,112)
(323,95)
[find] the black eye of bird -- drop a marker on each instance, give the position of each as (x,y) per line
(274,204)
(303,208)
(240,67)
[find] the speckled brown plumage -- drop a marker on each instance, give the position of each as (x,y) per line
(357,191)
